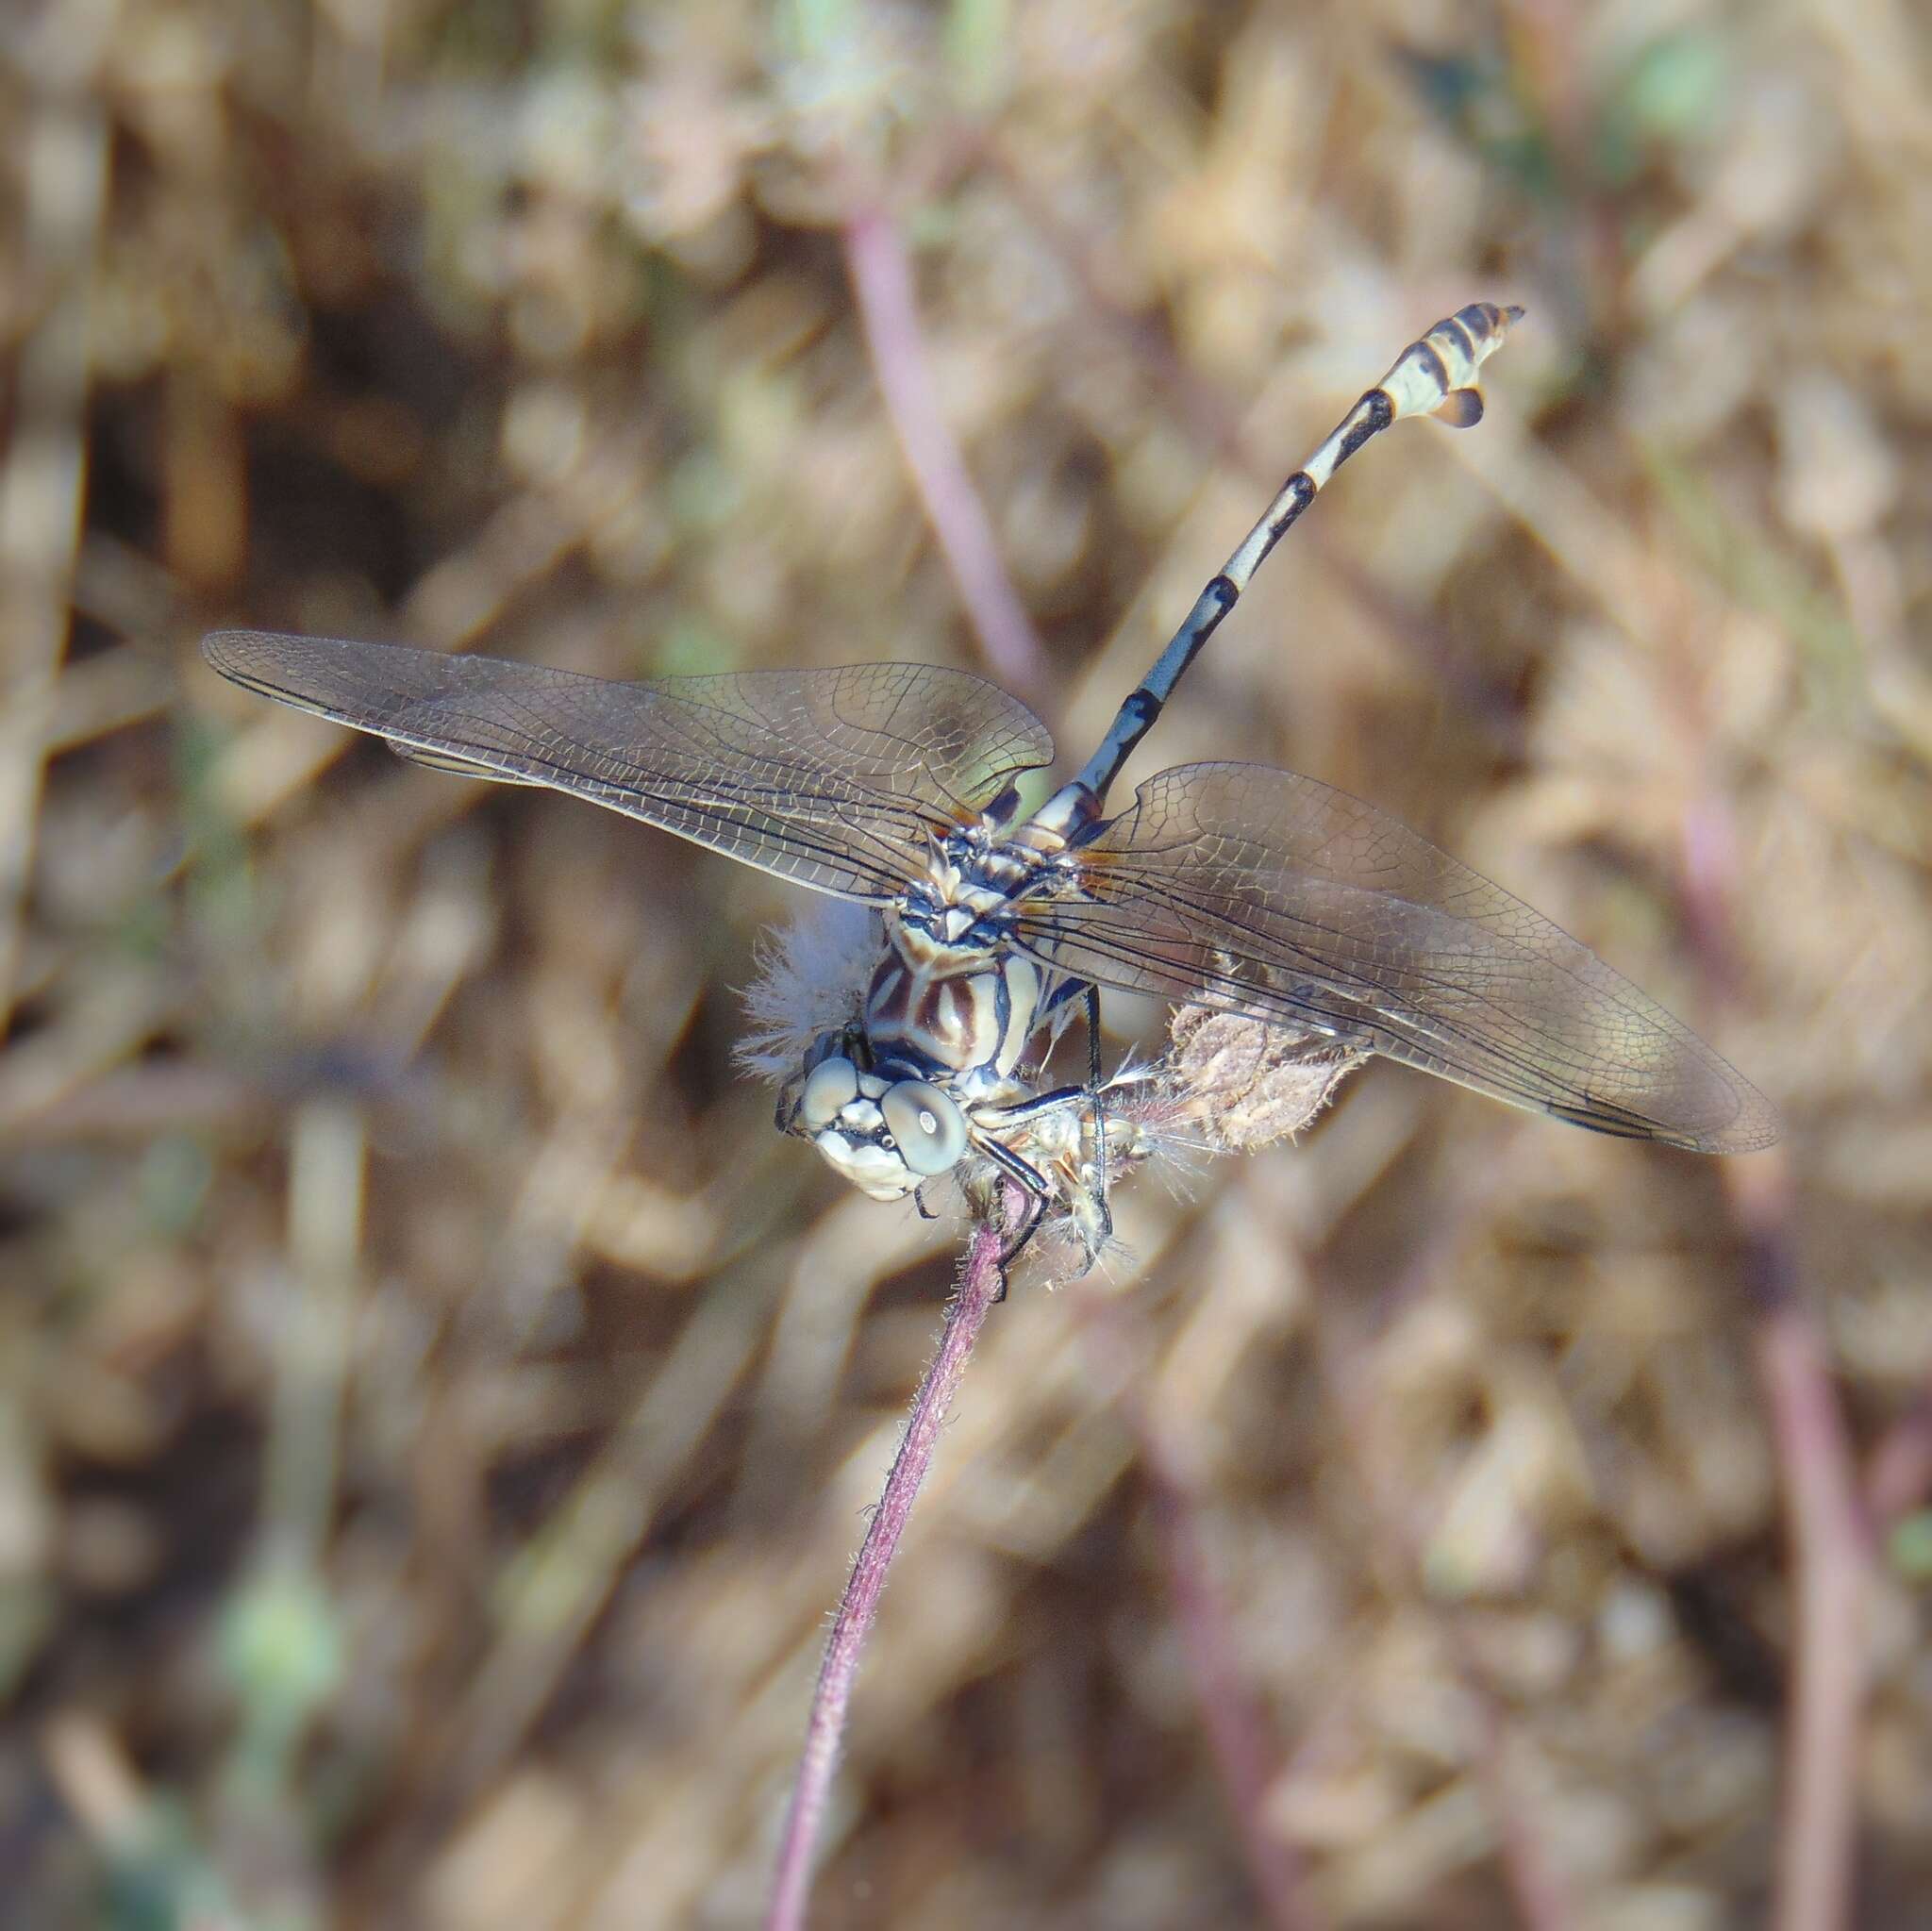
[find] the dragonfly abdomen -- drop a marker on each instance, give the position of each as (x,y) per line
(1432,377)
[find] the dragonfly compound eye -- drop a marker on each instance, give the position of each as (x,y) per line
(929,1129)
(831,1086)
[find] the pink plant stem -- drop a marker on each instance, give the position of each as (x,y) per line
(979,1284)
(1898,1475)
(1830,1533)
(882,281)
(1831,1553)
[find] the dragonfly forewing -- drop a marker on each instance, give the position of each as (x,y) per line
(1267,893)
(834,779)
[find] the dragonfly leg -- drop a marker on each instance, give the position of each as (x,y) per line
(1089,995)
(1102,1231)
(1095,1223)
(1055,1014)
(1095,1219)
(1090,1211)
(1037,1197)
(1099,1125)
(1024,1112)
(926,1213)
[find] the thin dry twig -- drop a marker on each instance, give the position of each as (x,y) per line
(979,1286)
(882,281)
(44,469)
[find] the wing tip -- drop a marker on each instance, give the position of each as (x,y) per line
(219,648)
(235,655)
(1752,1130)
(1751,1125)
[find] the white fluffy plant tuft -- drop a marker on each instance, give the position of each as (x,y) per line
(811,980)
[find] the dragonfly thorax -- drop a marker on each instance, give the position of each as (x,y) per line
(947,1017)
(962,1007)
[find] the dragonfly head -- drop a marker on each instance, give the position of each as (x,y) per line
(883,1133)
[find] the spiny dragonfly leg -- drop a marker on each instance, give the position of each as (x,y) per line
(1038,1196)
(1099,1128)
(1091,1001)
(1024,1112)
(1088,1099)
(1097,1238)
(1089,996)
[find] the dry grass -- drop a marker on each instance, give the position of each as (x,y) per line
(436,1410)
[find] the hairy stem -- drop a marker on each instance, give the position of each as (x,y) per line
(979,1285)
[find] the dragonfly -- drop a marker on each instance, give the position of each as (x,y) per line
(1229,885)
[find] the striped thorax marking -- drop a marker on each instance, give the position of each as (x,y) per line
(969,1022)
(952,994)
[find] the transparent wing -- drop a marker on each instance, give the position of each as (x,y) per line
(834,779)
(1262,892)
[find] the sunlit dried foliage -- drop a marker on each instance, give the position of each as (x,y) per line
(436,1409)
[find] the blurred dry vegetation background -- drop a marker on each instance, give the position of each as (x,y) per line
(436,1409)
